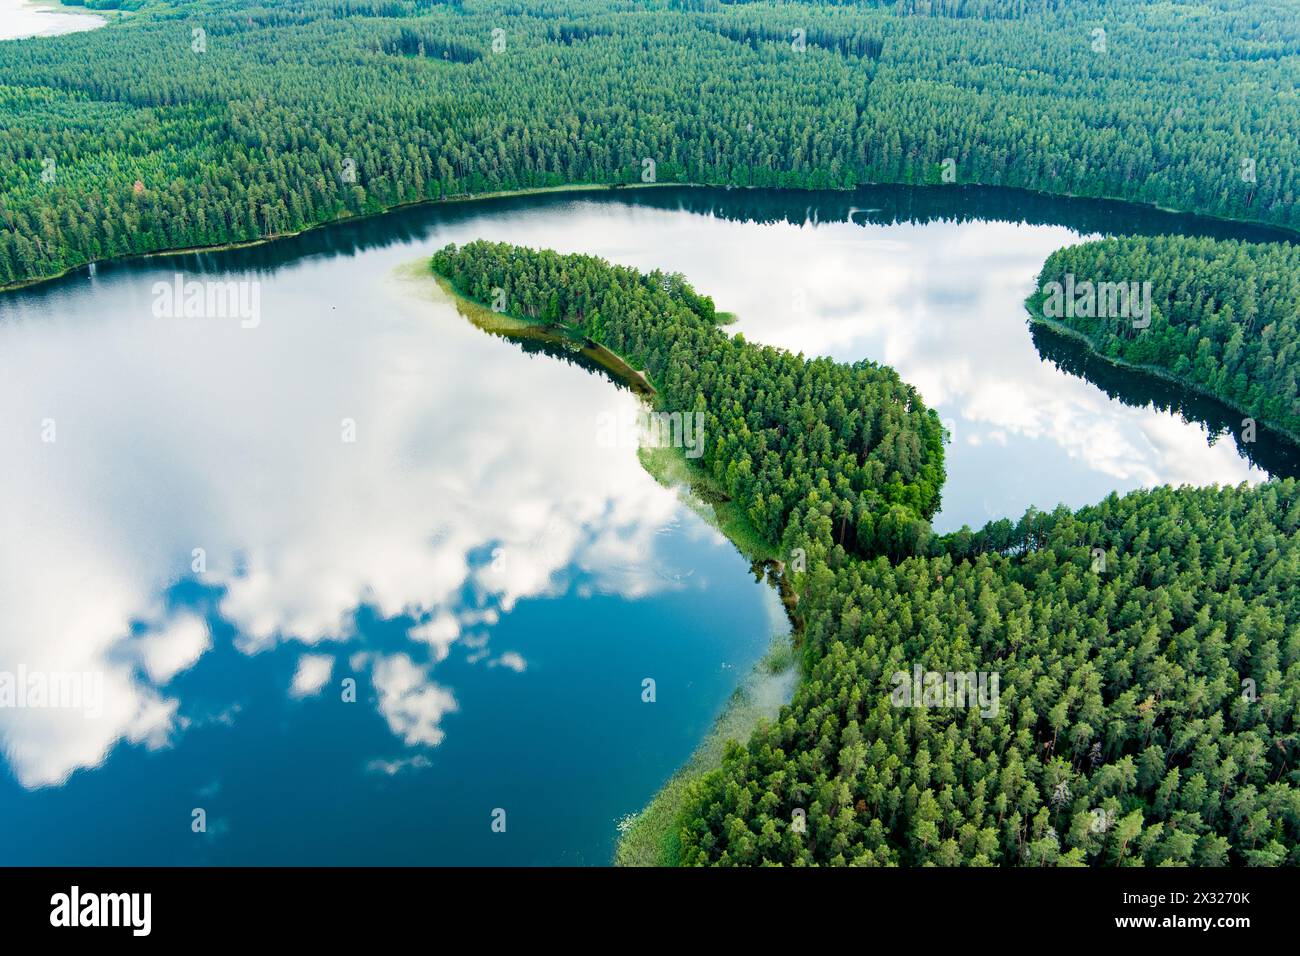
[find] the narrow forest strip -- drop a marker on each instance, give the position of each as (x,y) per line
(821,456)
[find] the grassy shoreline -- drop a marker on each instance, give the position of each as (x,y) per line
(651,837)
(1155,371)
(672,469)
(668,466)
(513,327)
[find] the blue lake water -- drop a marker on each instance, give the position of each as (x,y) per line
(227,524)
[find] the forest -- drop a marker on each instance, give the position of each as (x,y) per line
(226,121)
(1147,648)
(1149,696)
(1224,315)
(846,456)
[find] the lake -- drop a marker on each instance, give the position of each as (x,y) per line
(359,581)
(24,18)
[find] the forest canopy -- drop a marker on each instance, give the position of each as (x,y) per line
(1224,315)
(230,120)
(821,456)
(1148,654)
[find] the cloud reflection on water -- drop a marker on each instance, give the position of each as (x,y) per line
(174,435)
(475,481)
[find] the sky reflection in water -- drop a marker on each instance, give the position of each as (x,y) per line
(474,524)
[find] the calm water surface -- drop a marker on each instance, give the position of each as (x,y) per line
(25,18)
(233,525)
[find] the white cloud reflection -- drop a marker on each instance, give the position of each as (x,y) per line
(411,703)
(312,675)
(174,435)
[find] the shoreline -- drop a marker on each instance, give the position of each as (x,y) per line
(325,224)
(668,466)
(51,15)
(512,327)
(649,836)
(1293,231)
(1156,372)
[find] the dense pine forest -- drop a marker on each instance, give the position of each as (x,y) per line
(1223,319)
(1148,700)
(840,453)
(229,120)
(1146,647)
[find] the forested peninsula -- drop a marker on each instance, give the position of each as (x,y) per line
(1223,316)
(816,452)
(1146,649)
(228,121)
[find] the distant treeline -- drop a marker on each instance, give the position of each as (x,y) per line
(229,120)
